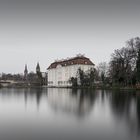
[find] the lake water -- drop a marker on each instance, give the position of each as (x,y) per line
(66,114)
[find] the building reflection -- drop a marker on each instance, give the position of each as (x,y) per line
(71,102)
(67,101)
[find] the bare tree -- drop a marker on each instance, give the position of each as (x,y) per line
(102,69)
(123,63)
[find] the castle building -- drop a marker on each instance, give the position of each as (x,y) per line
(60,72)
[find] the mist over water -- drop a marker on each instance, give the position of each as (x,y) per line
(42,113)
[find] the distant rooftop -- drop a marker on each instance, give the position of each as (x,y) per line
(79,59)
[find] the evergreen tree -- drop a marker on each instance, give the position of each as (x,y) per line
(92,77)
(81,76)
(73,80)
(103,77)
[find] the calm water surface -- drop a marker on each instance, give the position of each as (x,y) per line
(66,114)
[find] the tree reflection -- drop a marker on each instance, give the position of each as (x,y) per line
(138,110)
(120,102)
(126,106)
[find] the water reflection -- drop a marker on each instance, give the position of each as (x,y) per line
(107,114)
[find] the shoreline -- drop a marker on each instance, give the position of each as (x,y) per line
(95,87)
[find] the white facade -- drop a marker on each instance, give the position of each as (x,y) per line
(60,76)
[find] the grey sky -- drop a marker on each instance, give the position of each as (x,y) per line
(44,30)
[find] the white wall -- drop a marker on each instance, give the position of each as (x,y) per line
(60,76)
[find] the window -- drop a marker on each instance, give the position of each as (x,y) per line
(50,82)
(85,62)
(60,82)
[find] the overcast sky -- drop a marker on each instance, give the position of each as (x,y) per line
(34,31)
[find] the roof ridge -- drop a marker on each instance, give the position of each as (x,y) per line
(72,61)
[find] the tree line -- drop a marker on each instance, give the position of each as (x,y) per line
(122,70)
(124,66)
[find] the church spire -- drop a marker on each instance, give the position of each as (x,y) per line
(25,72)
(38,67)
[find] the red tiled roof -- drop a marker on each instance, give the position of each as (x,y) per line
(72,61)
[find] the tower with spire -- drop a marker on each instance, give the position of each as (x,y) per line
(25,72)
(38,68)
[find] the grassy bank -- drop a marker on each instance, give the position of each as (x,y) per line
(106,88)
(76,87)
